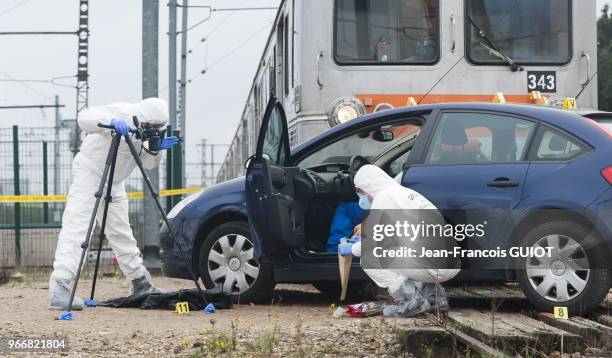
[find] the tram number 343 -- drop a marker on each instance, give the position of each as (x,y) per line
(542,81)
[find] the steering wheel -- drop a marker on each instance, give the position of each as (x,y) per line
(355,164)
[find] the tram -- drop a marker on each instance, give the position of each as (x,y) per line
(331,61)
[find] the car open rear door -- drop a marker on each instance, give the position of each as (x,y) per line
(275,217)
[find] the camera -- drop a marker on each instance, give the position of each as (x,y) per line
(152,135)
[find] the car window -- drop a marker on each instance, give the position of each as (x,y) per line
(555,146)
(390,32)
(368,144)
(470,138)
(527,31)
(273,146)
(607,124)
(397,165)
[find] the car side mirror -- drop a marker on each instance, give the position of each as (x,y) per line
(383,136)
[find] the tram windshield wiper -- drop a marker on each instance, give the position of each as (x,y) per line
(486,42)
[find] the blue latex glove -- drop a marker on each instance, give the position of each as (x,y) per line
(210,308)
(355,239)
(120,126)
(345,249)
(168,143)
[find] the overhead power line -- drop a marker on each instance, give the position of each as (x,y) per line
(3,12)
(41,106)
(25,85)
(232,51)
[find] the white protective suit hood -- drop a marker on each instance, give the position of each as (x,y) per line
(373,180)
(153,111)
(388,194)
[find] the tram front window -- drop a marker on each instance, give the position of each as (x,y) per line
(386,32)
(527,31)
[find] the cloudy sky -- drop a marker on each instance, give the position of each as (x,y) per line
(215,99)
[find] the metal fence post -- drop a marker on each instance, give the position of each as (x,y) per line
(45,183)
(17,191)
(177,171)
(169,155)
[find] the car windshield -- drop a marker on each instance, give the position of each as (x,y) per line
(369,144)
(527,31)
(386,32)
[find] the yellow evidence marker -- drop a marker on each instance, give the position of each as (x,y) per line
(569,103)
(182,307)
(499,98)
(560,313)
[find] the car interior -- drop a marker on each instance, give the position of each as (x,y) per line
(326,177)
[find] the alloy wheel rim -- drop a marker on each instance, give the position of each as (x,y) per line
(232,265)
(564,275)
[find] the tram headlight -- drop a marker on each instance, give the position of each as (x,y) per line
(344,110)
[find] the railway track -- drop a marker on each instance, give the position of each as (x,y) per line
(497,321)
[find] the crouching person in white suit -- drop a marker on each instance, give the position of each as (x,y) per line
(87,170)
(417,290)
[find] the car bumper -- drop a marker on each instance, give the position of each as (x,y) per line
(172,263)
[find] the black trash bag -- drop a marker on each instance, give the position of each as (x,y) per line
(169,300)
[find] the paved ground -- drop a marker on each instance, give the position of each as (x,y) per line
(300,324)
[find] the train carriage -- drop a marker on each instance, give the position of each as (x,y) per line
(331,61)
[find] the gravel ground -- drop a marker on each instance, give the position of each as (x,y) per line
(298,323)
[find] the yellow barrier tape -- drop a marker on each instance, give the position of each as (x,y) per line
(64,198)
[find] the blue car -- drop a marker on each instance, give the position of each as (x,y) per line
(271,226)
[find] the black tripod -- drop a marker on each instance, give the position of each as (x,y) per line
(107,176)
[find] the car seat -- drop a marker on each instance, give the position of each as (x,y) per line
(455,146)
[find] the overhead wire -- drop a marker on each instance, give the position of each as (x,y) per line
(25,85)
(231,52)
(6,11)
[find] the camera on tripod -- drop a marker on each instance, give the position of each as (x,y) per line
(151,134)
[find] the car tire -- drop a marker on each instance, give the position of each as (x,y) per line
(356,291)
(226,258)
(554,287)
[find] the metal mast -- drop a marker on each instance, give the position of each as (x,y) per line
(82,86)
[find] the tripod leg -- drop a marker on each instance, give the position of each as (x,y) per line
(111,154)
(155,196)
(107,200)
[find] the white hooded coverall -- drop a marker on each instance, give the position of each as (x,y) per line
(388,194)
(87,170)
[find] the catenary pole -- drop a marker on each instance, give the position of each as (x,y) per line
(183,85)
(150,84)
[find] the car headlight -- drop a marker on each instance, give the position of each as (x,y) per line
(182,204)
(345,109)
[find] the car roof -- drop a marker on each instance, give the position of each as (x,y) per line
(565,119)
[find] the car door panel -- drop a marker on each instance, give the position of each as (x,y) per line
(276,218)
(475,173)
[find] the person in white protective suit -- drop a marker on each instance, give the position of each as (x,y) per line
(87,170)
(417,289)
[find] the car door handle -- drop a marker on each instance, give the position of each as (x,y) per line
(503,183)
(282,196)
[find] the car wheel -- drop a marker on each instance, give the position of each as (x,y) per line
(574,276)
(226,259)
(356,291)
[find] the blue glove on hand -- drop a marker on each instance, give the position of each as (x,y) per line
(120,126)
(168,143)
(345,249)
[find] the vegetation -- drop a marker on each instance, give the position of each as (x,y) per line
(604,44)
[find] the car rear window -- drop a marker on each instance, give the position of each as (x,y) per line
(554,146)
(602,120)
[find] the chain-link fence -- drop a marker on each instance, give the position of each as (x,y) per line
(38,161)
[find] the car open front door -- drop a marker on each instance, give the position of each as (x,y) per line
(275,217)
